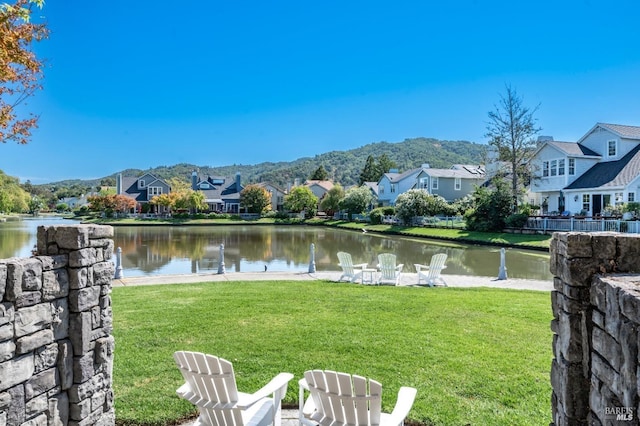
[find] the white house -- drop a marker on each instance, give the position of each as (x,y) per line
(602,169)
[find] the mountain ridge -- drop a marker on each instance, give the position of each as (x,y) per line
(342,166)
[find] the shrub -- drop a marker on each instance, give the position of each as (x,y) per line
(517,220)
(378,213)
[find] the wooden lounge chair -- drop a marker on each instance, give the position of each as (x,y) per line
(210,385)
(339,399)
(431,274)
(389,272)
(350,272)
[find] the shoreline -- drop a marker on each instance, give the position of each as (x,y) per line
(406,280)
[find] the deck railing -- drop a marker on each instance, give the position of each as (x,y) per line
(549,224)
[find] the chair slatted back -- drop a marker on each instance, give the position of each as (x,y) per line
(342,399)
(346,263)
(213,384)
(387,265)
(436,266)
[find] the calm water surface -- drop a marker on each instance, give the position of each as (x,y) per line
(196,249)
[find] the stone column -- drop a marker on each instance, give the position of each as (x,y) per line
(56,348)
(576,258)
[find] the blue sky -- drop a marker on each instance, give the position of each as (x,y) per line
(140,84)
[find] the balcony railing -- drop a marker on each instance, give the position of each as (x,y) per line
(549,224)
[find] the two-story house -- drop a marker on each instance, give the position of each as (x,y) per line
(319,187)
(276,195)
(451,184)
(143,189)
(222,194)
(392,184)
(601,169)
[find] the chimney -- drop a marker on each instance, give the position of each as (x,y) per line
(194,180)
(543,139)
(119,184)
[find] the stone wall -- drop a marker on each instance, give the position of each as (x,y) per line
(56,348)
(596,320)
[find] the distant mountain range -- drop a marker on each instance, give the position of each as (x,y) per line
(343,167)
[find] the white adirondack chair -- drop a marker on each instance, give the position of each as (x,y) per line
(339,399)
(350,271)
(389,271)
(210,385)
(431,274)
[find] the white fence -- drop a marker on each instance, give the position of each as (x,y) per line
(547,224)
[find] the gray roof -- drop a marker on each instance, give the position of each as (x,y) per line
(573,148)
(611,174)
(457,171)
(221,189)
(396,177)
(627,132)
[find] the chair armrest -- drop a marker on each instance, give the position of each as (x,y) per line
(418,267)
(406,396)
(278,383)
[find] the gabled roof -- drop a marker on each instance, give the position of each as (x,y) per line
(611,173)
(397,177)
(129,186)
(373,186)
(270,185)
(324,184)
(573,149)
(620,130)
(221,189)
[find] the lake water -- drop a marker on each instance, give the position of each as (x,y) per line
(151,250)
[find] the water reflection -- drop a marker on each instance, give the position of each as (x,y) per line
(149,250)
(179,250)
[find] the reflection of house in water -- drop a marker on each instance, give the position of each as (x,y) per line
(145,259)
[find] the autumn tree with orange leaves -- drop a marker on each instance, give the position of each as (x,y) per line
(20,69)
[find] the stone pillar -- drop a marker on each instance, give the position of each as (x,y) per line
(56,348)
(576,261)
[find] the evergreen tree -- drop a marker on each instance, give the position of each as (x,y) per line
(320,174)
(369,172)
(384,165)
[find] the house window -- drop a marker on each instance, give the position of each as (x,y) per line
(554,167)
(561,167)
(545,168)
(434,183)
(572,166)
(458,184)
(631,197)
(586,202)
(612,148)
(154,190)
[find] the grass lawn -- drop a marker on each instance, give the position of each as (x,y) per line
(534,241)
(476,356)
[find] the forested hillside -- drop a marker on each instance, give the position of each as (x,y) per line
(344,167)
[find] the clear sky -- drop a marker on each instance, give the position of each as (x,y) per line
(140,84)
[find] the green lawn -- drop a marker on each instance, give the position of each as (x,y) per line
(476,356)
(534,241)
